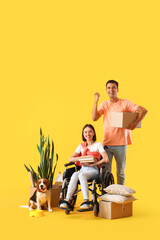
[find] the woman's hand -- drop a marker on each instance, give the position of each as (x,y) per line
(86,164)
(103,160)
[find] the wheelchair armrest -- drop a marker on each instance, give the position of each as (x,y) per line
(69,164)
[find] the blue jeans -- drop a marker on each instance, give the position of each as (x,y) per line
(119,153)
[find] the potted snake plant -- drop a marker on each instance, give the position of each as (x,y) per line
(45,169)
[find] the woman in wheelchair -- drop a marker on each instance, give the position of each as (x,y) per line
(89,148)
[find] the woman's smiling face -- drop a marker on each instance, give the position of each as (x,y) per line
(88,133)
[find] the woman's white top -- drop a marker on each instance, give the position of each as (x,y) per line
(95,147)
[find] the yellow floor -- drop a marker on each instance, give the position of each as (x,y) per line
(17,223)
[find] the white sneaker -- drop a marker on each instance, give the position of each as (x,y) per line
(63,205)
(85,206)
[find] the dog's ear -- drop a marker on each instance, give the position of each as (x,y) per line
(38,182)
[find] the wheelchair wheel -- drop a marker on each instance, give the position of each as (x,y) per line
(94,199)
(64,190)
(94,189)
(96,209)
(64,193)
(108,179)
(67,211)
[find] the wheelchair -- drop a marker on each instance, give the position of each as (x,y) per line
(96,186)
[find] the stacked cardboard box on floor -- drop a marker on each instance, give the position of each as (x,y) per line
(117,202)
(111,210)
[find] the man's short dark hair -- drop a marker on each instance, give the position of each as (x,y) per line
(112,81)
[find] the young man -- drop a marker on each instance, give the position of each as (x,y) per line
(115,140)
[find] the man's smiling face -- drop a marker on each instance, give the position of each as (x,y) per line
(112,90)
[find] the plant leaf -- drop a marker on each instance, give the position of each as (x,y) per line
(54,167)
(27,168)
(38,149)
(48,149)
(52,154)
(45,166)
(42,159)
(34,174)
(40,172)
(51,179)
(41,137)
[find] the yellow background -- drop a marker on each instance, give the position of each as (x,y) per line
(54,56)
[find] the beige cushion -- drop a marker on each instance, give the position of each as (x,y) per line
(117,198)
(119,189)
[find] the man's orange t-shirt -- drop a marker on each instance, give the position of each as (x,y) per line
(115,136)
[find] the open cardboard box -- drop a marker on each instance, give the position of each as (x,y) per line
(55,193)
(123,119)
(112,210)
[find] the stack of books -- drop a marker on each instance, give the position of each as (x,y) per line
(87,159)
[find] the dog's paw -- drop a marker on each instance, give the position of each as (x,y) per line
(50,210)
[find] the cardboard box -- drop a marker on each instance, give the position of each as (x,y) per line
(55,193)
(112,210)
(123,119)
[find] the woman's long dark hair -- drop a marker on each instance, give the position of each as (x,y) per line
(90,126)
